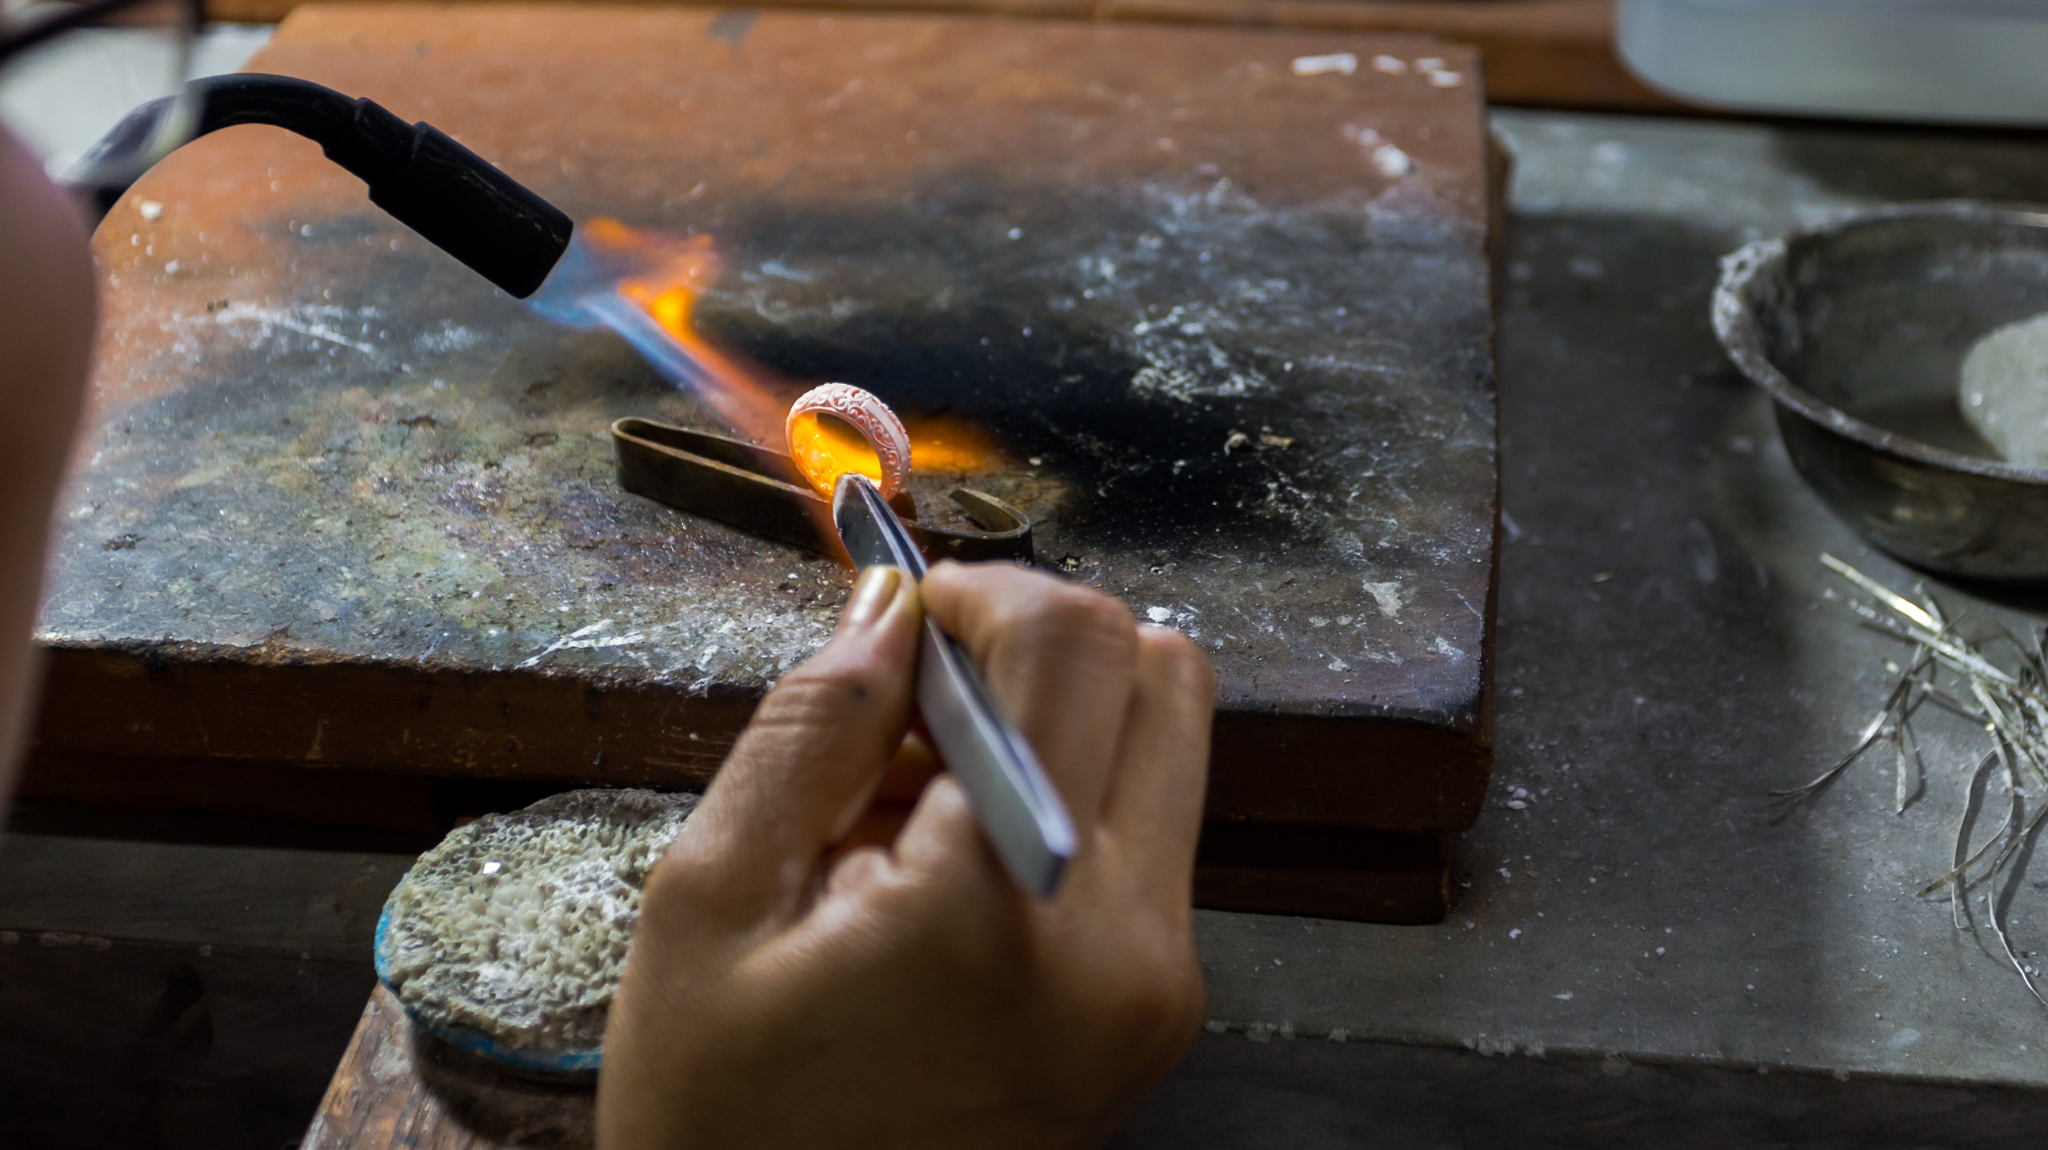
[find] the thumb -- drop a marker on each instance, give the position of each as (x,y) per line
(808,763)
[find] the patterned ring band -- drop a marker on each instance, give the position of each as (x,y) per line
(864,413)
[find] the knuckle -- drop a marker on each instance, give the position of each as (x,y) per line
(1162,1008)
(809,697)
(684,877)
(1178,659)
(1071,613)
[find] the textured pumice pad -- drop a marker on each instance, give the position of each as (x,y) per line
(517,925)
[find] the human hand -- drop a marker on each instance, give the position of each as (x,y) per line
(806,974)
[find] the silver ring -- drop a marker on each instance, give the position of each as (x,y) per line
(864,413)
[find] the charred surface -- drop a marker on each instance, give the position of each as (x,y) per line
(1237,358)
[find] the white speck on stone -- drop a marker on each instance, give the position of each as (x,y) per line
(1216,1026)
(1339,665)
(1515,933)
(1565,997)
(1905,1037)
(1446,79)
(1389,598)
(1341,63)
(1660,952)
(1158,614)
(1504,873)
(150,209)
(1517,805)
(1391,65)
(1391,161)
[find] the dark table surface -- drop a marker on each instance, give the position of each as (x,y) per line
(1667,657)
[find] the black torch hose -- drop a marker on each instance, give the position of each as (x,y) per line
(451,196)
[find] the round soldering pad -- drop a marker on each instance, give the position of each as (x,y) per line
(507,939)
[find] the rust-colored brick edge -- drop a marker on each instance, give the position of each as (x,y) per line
(214,706)
(1542,53)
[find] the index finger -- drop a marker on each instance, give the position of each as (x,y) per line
(1060,658)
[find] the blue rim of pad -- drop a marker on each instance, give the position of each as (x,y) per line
(541,1063)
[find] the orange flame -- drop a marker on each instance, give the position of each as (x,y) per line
(670,274)
(943,443)
(826,448)
(668,277)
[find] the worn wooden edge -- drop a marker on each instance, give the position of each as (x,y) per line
(1372,875)
(106,705)
(394,1088)
(1544,53)
(204,704)
(406,805)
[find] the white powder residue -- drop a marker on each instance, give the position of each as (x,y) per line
(1340,63)
(317,322)
(1389,597)
(452,337)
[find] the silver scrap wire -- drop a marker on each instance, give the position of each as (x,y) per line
(2011,708)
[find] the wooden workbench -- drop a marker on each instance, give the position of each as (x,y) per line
(345,506)
(1547,53)
(397,1088)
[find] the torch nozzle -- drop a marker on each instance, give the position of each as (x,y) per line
(448,194)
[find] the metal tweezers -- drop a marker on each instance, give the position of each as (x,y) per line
(758,491)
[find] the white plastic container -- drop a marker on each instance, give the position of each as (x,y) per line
(1950,61)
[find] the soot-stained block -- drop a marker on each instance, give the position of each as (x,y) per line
(1220,298)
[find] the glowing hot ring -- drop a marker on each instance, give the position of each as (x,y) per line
(860,410)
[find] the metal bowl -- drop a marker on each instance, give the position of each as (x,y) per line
(1858,330)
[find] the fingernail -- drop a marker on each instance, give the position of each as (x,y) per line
(872,594)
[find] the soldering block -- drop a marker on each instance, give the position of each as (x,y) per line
(516,925)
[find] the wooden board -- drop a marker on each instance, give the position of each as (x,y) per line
(396,1088)
(1548,53)
(346,506)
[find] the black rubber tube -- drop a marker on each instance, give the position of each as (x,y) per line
(451,196)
